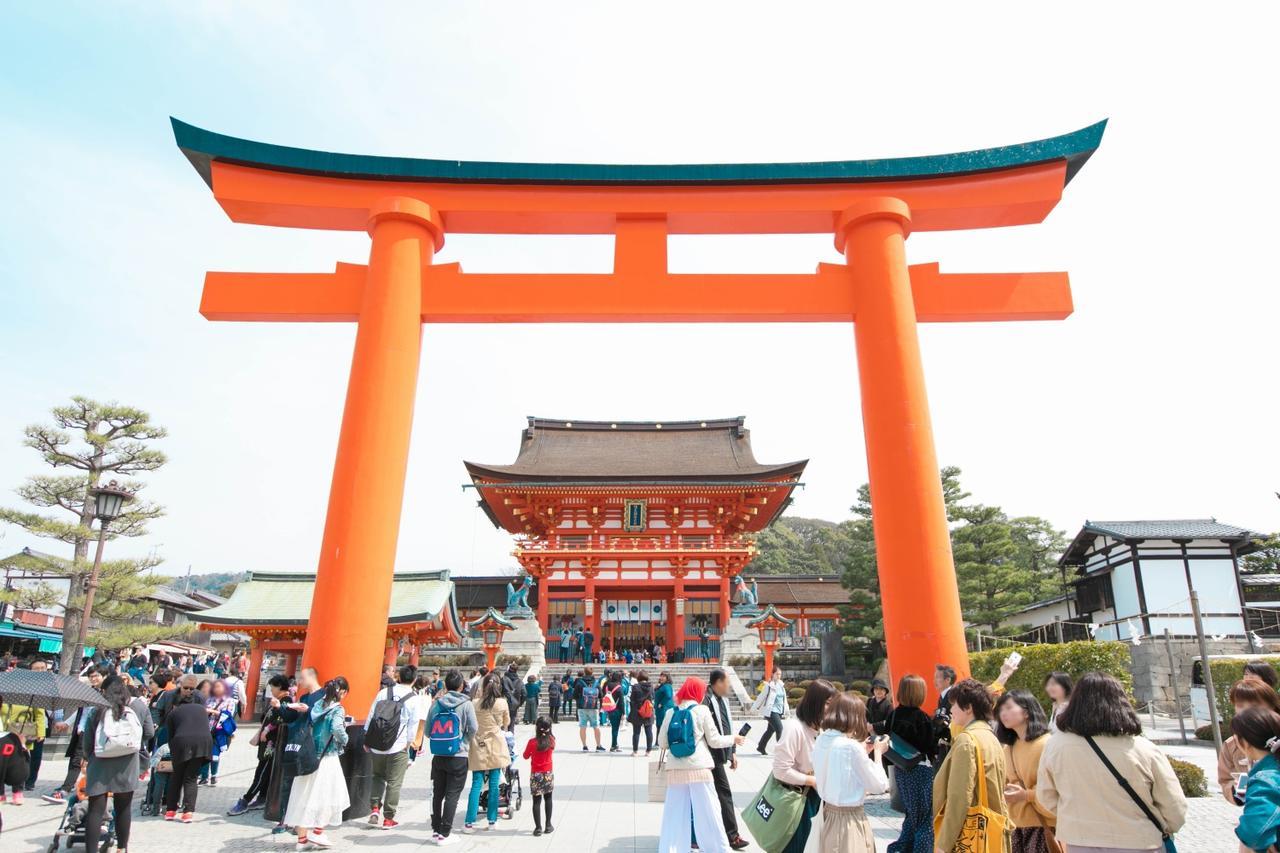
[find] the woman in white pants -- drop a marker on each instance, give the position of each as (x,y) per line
(690,787)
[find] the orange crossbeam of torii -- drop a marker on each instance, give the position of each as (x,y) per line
(409,205)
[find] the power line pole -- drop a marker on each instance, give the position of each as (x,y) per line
(1208,674)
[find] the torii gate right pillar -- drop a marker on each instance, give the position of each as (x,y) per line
(918,591)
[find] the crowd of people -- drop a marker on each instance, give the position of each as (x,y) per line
(1076,776)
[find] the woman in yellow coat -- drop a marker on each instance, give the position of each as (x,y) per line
(1023,728)
(955,787)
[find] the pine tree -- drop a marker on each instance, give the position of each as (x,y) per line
(993,581)
(93,441)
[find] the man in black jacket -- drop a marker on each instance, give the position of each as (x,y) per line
(513,692)
(718,682)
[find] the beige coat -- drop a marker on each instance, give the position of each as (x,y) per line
(1092,809)
(489,749)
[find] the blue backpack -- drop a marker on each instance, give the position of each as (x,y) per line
(590,697)
(680,737)
(446,732)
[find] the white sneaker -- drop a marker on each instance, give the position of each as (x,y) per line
(446,840)
(320,839)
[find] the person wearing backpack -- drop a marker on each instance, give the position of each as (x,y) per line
(392,725)
(553,700)
(588,707)
(320,793)
(687,734)
(113,737)
(451,726)
(611,704)
(297,718)
(642,713)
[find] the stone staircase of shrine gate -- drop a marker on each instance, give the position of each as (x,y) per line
(738,698)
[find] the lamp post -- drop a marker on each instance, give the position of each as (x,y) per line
(108,500)
(769,624)
(492,625)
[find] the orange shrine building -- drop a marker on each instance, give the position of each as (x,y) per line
(635,531)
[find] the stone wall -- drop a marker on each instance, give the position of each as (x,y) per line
(1152,677)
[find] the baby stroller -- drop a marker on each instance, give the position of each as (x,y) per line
(510,794)
(71,827)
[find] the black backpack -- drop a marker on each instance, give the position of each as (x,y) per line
(384,725)
(300,747)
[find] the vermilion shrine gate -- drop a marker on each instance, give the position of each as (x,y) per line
(408,205)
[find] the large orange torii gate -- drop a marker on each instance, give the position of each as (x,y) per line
(408,205)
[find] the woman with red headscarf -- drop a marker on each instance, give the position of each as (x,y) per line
(686,732)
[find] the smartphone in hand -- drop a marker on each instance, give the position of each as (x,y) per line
(746,727)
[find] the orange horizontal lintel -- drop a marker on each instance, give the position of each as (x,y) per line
(452,296)
(284,297)
(985,297)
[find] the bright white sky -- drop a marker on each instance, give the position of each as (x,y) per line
(1155,400)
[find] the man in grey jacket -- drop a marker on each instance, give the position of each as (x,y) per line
(449,750)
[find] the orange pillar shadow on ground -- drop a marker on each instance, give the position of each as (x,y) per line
(348,627)
(918,591)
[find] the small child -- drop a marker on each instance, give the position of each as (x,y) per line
(541,780)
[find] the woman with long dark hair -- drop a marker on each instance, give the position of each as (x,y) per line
(190,748)
(113,737)
(793,756)
(1100,736)
(489,753)
(611,703)
(318,799)
(1022,728)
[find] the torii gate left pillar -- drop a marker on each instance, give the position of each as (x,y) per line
(407,205)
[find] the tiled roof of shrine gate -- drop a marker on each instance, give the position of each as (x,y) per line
(202,147)
(284,598)
(567,451)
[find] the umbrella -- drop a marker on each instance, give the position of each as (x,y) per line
(47,690)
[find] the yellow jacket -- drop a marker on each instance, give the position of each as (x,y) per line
(19,717)
(955,786)
(1022,763)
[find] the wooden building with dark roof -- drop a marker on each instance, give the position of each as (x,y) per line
(635,529)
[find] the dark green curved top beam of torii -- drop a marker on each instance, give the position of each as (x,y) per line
(203,146)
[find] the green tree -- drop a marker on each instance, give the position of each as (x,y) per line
(992,580)
(88,441)
(800,546)
(863,618)
(1265,560)
(1039,544)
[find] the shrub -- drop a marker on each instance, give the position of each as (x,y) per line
(806,682)
(1226,673)
(838,685)
(863,687)
(1205,732)
(1190,777)
(795,692)
(1040,660)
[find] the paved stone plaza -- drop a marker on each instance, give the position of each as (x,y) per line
(600,805)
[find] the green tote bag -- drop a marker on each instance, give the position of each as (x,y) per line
(773,815)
